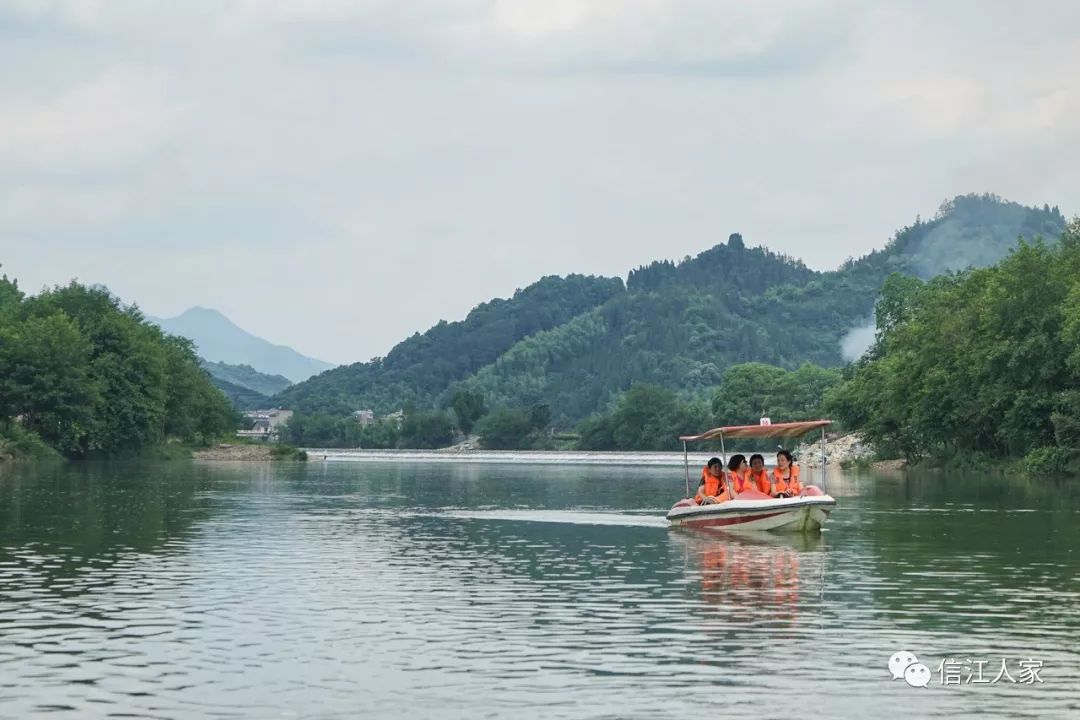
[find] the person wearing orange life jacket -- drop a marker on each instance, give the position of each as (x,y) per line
(713,488)
(759,476)
(786,476)
(739,473)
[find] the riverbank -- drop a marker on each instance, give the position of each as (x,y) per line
(518,457)
(17,444)
(248,452)
(845,449)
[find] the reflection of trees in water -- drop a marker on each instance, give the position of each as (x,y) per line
(59,520)
(961,552)
(517,485)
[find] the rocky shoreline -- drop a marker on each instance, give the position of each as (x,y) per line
(251,452)
(844,449)
(234,452)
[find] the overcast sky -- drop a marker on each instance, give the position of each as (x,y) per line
(336,175)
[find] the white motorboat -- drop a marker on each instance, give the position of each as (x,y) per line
(752,510)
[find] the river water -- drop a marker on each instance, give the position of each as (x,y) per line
(417,590)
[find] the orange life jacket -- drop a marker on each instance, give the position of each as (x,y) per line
(712,486)
(791,486)
(741,480)
(760,480)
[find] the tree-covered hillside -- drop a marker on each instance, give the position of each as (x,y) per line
(421,367)
(676,325)
(248,377)
(242,398)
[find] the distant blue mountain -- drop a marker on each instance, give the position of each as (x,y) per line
(218,339)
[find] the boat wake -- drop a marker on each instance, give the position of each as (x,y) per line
(569,517)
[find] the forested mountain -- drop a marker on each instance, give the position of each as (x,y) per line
(676,325)
(218,339)
(248,377)
(242,398)
(420,368)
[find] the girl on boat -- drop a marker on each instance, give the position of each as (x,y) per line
(739,472)
(759,476)
(785,476)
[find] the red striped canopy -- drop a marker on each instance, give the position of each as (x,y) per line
(777,430)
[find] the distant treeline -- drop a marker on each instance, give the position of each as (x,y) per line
(645,417)
(83,375)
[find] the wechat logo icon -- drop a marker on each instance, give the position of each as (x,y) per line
(904,665)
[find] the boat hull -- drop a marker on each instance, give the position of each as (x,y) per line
(797,514)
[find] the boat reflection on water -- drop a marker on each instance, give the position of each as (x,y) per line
(756,578)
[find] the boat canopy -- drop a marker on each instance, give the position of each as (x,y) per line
(778,430)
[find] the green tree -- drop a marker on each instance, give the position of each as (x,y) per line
(468,407)
(505,429)
(750,391)
(540,417)
(743,396)
(979,363)
(89,375)
(645,417)
(381,434)
(46,380)
(10,297)
(195,410)
(426,430)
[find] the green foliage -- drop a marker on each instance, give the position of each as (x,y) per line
(47,380)
(576,344)
(329,431)
(195,411)
(10,297)
(1066,418)
(87,375)
(751,391)
(897,301)
(1050,462)
(21,444)
(468,408)
(540,416)
(426,430)
(505,429)
(247,377)
(242,398)
(978,362)
(515,428)
(421,368)
(380,435)
(645,417)
(282,451)
(681,325)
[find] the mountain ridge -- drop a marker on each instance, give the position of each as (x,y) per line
(246,376)
(680,325)
(219,339)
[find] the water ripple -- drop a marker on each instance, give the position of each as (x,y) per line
(255,596)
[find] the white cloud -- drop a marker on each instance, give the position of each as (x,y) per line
(426,156)
(108,121)
(50,206)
